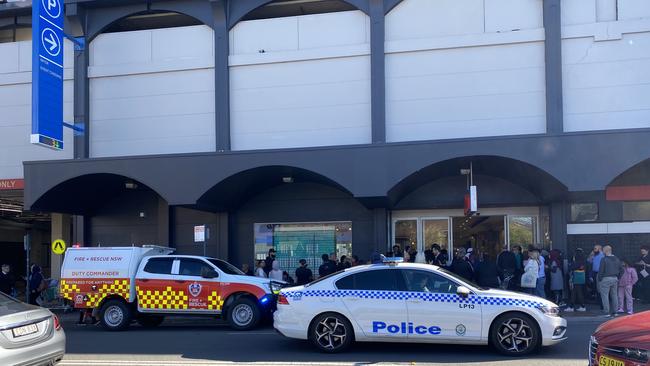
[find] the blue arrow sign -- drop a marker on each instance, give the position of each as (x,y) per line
(47,73)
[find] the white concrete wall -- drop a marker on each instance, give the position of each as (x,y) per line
(464,68)
(606,64)
(300,81)
(152,92)
(16,109)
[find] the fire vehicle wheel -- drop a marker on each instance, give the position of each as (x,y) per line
(115,315)
(150,321)
(244,314)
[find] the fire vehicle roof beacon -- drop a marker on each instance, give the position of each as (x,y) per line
(146,284)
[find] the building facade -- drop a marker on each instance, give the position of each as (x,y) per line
(342,126)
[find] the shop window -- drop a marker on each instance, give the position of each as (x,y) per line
(584,212)
(308,241)
(289,8)
(636,211)
(153,20)
(522,230)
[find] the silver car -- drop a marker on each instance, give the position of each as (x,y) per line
(29,335)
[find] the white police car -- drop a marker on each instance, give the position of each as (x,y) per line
(408,302)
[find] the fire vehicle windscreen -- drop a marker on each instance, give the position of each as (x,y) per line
(226,267)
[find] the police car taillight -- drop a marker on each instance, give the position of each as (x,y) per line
(282,300)
(57,323)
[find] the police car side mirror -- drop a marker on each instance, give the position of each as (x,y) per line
(209,273)
(462,291)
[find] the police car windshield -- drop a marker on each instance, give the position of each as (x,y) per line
(226,267)
(461,279)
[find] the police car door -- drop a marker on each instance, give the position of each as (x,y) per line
(375,301)
(436,311)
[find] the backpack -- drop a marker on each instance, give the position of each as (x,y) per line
(578,277)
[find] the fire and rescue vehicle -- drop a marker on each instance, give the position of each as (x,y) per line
(145,284)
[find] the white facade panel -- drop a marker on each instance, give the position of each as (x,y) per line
(268,35)
(508,15)
(633,9)
(428,19)
(16,109)
(158,101)
(465,92)
(343,28)
(300,104)
(578,11)
(606,84)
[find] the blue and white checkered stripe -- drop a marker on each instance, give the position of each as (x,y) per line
(401,295)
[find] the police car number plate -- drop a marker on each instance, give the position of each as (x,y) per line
(23,331)
(608,361)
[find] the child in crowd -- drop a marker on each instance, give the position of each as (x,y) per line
(625,284)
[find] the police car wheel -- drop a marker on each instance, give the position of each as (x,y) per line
(115,315)
(244,314)
(331,333)
(150,321)
(515,334)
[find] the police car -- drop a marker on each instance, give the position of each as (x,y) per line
(408,302)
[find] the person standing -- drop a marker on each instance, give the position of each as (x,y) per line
(303,274)
(557,276)
(355,260)
(541,274)
(487,274)
(268,262)
(610,271)
(594,259)
(506,266)
(462,266)
(625,284)
(577,281)
(531,271)
(7,281)
(643,266)
(276,272)
(247,269)
(36,284)
(260,272)
(327,268)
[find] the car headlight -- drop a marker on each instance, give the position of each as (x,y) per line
(276,286)
(636,354)
(549,310)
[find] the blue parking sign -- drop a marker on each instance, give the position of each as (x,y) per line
(47,73)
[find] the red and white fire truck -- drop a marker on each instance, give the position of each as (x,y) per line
(145,284)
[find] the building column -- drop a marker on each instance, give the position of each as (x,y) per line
(163,223)
(221,76)
(553,63)
(380,229)
(60,230)
(221,235)
(559,221)
(377,71)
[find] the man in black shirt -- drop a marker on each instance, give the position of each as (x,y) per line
(6,280)
(303,274)
(268,265)
(506,263)
(328,267)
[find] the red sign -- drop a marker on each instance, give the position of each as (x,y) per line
(11,184)
(628,193)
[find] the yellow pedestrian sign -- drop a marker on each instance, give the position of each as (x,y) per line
(58,246)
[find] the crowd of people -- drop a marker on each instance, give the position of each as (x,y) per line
(37,283)
(571,281)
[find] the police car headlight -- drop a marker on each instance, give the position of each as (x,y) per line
(549,310)
(275,287)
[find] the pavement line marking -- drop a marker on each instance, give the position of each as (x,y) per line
(191,363)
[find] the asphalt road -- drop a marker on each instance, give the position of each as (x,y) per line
(203,342)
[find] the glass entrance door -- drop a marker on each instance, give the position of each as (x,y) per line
(422,232)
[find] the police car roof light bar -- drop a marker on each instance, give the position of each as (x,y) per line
(392,260)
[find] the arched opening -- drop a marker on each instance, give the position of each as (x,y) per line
(514,200)
(287,8)
(151,20)
(118,210)
(632,190)
(300,213)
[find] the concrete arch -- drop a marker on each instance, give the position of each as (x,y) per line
(84,193)
(636,174)
(233,191)
(98,19)
(237,10)
(528,176)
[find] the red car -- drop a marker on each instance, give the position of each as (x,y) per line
(623,341)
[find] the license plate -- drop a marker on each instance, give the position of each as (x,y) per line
(23,331)
(608,361)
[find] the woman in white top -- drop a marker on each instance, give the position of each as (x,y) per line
(276,272)
(259,272)
(531,271)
